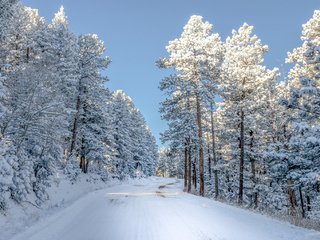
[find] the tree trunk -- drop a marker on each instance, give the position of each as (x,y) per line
(253,173)
(215,171)
(302,203)
(201,157)
(194,178)
(28,54)
(75,126)
(82,163)
(255,199)
(86,166)
(308,203)
(209,158)
(185,167)
(228,181)
(292,198)
(253,178)
(189,165)
(83,160)
(241,167)
(189,152)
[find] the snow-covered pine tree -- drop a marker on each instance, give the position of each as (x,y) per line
(162,166)
(196,56)
(122,163)
(181,133)
(33,119)
(20,38)
(135,147)
(243,86)
(59,50)
(145,153)
(273,190)
(7,158)
(304,102)
(151,153)
(64,49)
(6,15)
(87,140)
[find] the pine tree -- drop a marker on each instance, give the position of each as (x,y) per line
(135,147)
(304,101)
(34,115)
(196,55)
(6,173)
(162,166)
(243,83)
(123,161)
(87,131)
(181,132)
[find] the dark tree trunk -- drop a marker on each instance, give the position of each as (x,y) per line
(302,203)
(185,167)
(215,171)
(253,173)
(241,165)
(209,158)
(83,160)
(308,203)
(255,199)
(292,198)
(201,156)
(189,165)
(228,181)
(194,174)
(28,54)
(189,152)
(82,163)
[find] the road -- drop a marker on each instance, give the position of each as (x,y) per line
(157,209)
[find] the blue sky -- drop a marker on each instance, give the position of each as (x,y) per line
(136,32)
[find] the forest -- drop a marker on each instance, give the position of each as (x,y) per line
(238,131)
(56,114)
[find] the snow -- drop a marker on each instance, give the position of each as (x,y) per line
(62,194)
(156,208)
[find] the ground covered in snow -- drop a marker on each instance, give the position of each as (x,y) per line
(62,192)
(156,208)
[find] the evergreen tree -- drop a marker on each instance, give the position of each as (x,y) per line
(197,56)
(87,128)
(243,88)
(135,147)
(304,101)
(6,173)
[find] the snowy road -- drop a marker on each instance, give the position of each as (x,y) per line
(157,209)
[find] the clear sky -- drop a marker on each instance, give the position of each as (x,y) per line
(136,32)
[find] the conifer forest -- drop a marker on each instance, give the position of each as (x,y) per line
(78,160)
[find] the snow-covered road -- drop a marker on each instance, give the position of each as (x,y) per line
(156,208)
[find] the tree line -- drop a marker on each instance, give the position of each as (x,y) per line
(56,113)
(237,131)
